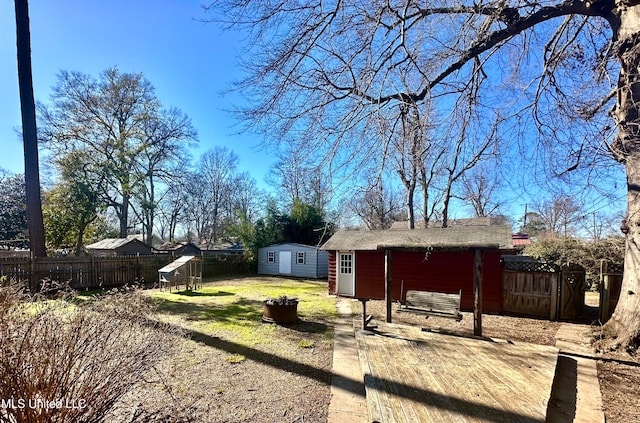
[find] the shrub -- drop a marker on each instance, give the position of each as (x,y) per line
(64,361)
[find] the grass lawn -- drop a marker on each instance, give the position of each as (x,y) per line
(234,367)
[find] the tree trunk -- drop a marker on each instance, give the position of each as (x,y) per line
(29,132)
(124,216)
(78,248)
(625,322)
(411,218)
(425,196)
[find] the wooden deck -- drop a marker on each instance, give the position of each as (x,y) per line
(416,376)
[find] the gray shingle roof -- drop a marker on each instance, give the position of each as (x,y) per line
(495,236)
(110,243)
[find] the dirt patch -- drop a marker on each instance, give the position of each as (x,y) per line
(536,331)
(619,375)
(262,373)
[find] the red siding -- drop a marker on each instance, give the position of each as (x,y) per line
(370,275)
(332,272)
(443,271)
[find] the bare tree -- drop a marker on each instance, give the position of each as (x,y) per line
(29,132)
(246,198)
(166,135)
(125,133)
(296,175)
(327,70)
(377,205)
(172,208)
(216,172)
(560,215)
(479,189)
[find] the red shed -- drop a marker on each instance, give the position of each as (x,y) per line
(433,259)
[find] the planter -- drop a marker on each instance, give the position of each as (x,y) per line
(280,310)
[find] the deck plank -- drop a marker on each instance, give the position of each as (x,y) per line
(412,375)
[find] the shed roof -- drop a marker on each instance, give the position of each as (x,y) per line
(465,221)
(176,264)
(111,243)
(174,246)
(291,244)
(459,237)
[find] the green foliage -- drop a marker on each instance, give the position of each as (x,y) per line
(13,207)
(306,343)
(588,254)
(236,359)
(305,224)
(72,206)
(534,225)
(558,250)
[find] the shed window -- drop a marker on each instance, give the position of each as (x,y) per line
(271,257)
(301,257)
(346,264)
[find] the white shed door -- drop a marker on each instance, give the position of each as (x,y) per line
(346,274)
(284,262)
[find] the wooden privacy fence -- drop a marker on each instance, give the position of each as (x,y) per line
(105,272)
(528,287)
(546,290)
(86,272)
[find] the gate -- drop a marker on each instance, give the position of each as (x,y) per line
(610,283)
(533,288)
(571,292)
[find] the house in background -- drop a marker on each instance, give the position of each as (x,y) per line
(178,249)
(112,247)
(433,259)
(520,241)
(292,259)
(222,248)
(156,241)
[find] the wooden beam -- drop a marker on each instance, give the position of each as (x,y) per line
(477,292)
(387,281)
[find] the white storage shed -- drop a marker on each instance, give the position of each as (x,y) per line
(304,261)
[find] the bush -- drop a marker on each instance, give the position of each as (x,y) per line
(65,361)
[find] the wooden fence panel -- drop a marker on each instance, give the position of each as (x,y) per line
(86,272)
(105,272)
(528,293)
(215,268)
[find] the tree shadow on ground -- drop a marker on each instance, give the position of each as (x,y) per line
(205,294)
(306,326)
(242,309)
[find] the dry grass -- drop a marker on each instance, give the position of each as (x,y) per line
(62,361)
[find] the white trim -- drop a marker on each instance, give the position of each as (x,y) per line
(346,273)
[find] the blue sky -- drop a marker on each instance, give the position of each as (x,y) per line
(188,62)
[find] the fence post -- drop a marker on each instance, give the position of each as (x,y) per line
(93,278)
(32,274)
(553,312)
